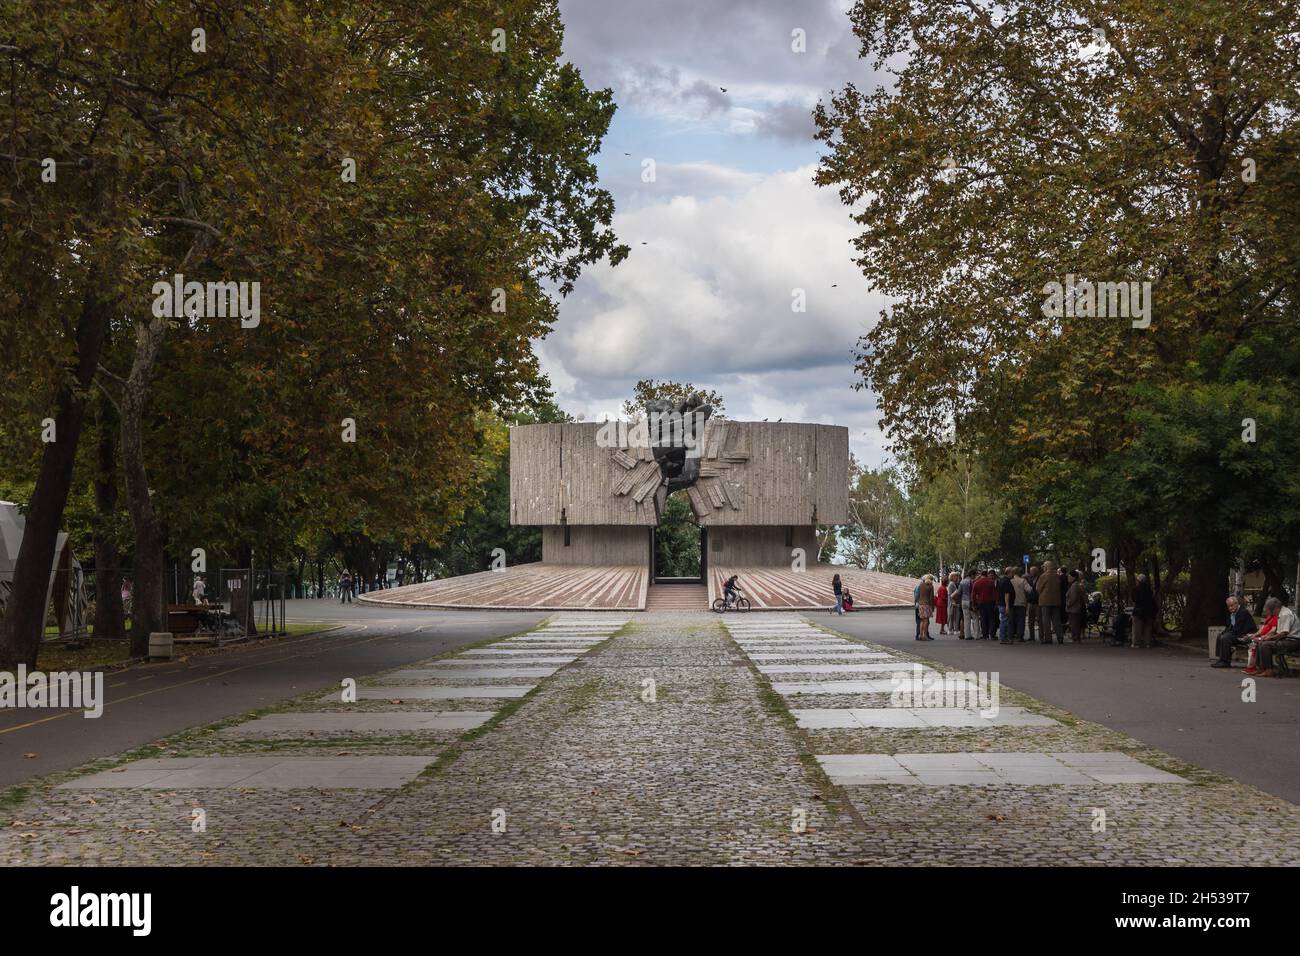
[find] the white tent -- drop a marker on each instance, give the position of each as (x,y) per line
(67,586)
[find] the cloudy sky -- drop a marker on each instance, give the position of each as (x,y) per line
(713,93)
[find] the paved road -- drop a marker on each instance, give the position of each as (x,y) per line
(150,701)
(1171,699)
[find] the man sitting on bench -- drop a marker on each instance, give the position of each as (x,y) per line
(1240,624)
(1283,639)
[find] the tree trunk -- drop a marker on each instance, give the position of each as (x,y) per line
(147,608)
(109,614)
(1273,586)
(20,640)
(1207,589)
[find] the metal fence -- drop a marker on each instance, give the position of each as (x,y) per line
(237,602)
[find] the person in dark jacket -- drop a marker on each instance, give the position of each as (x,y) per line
(1240,623)
(1065,587)
(1006,598)
(838,588)
(1031,602)
(1076,606)
(984,596)
(1144,612)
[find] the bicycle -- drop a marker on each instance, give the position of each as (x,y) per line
(722,604)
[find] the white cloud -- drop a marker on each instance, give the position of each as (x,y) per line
(707,299)
(725,65)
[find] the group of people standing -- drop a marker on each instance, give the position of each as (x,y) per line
(1015,606)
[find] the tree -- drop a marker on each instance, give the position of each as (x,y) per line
(486,526)
(404,299)
(648,390)
(677,540)
(876,502)
(962,512)
(1017,145)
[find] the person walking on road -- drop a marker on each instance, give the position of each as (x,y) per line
(838,587)
(345,587)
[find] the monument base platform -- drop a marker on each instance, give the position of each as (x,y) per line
(570,587)
(781,589)
(527,587)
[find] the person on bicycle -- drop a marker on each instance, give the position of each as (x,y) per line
(729,590)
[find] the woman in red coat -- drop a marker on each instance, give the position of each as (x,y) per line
(941,604)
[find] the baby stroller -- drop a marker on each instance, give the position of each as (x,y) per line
(848,600)
(1092,617)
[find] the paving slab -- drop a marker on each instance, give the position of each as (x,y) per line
(838,718)
(823,655)
(990,769)
(362,722)
(583,642)
(809,648)
(876,667)
(558,654)
(464,673)
(512,661)
(773,647)
(431,692)
(271,772)
(871,686)
(842,718)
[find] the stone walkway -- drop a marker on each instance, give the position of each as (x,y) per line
(684,739)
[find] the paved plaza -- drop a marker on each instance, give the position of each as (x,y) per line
(649,739)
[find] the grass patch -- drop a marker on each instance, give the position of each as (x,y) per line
(775,705)
(95,655)
(11,797)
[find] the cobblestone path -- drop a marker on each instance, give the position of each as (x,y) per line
(663,744)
